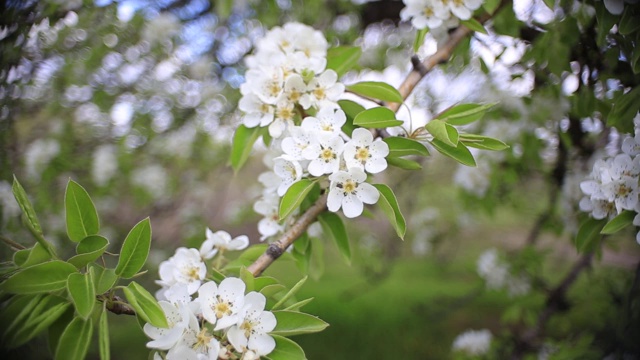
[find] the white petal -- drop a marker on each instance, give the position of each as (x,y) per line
(334,201)
(237,339)
(262,344)
(368,193)
(376,165)
(352,206)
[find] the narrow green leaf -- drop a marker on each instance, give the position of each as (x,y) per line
(459,153)
(103,335)
(135,250)
(419,40)
(104,279)
(286,349)
(629,22)
(82,292)
(376,90)
(333,226)
(146,306)
(243,141)
(443,132)
(401,146)
(619,222)
(75,340)
(88,250)
(464,114)
(483,142)
(16,311)
(55,330)
(291,292)
(299,304)
(343,58)
(270,290)
(80,212)
(296,323)
(404,163)
(30,215)
(47,311)
(40,278)
(588,237)
(389,205)
(376,118)
(294,197)
(474,25)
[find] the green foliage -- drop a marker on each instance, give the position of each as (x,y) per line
(296,323)
(400,146)
(88,250)
(81,215)
(243,141)
(376,90)
(294,196)
(40,278)
(588,237)
(343,58)
(333,226)
(464,114)
(286,349)
(391,209)
(443,132)
(376,118)
(82,292)
(618,223)
(75,340)
(145,304)
(459,153)
(135,250)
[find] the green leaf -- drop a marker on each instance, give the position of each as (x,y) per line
(286,349)
(270,290)
(146,306)
(75,340)
(55,330)
(625,107)
(299,304)
(333,226)
(376,118)
(419,40)
(46,277)
(223,8)
(588,236)
(443,132)
(82,292)
(243,141)
(464,114)
(490,6)
(30,215)
(88,250)
(80,212)
(247,277)
(46,311)
(404,163)
(103,335)
(15,311)
(619,222)
(350,108)
(33,256)
(135,250)
(294,197)
(390,207)
(401,146)
(629,22)
(343,58)
(459,153)
(291,292)
(262,281)
(296,323)
(483,142)
(104,279)
(316,259)
(474,25)
(376,90)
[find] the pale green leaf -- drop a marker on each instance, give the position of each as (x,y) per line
(619,222)
(376,90)
(464,114)
(146,305)
(243,141)
(88,250)
(291,323)
(401,146)
(30,215)
(75,340)
(80,212)
(286,349)
(103,335)
(82,292)
(104,279)
(135,250)
(443,132)
(291,293)
(343,58)
(45,277)
(294,197)
(483,142)
(46,311)
(474,25)
(459,153)
(376,118)
(389,205)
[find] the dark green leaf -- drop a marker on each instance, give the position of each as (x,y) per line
(135,250)
(389,205)
(40,278)
(629,22)
(295,323)
(619,222)
(588,237)
(343,58)
(80,212)
(459,153)
(146,306)
(333,226)
(401,146)
(376,90)
(88,250)
(376,118)
(75,340)
(82,292)
(294,196)
(46,311)
(625,108)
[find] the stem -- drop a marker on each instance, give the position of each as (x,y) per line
(12,243)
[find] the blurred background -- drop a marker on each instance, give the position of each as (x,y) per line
(137,101)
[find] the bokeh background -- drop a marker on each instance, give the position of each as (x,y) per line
(137,101)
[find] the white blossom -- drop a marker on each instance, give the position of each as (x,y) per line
(365,153)
(250,333)
(221,304)
(349,191)
(473,342)
(325,154)
(185,267)
(221,241)
(289,170)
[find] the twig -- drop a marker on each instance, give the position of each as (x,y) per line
(12,243)
(117,305)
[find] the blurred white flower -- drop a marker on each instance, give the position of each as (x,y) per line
(221,241)
(105,164)
(473,342)
(38,155)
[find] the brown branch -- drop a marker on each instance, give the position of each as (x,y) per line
(276,249)
(12,244)
(117,305)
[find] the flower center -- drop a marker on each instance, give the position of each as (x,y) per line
(221,308)
(202,340)
(327,155)
(285,113)
(247,326)
(319,93)
(362,154)
(348,187)
(191,273)
(428,12)
(265,108)
(294,95)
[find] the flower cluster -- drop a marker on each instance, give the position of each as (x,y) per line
(497,274)
(612,186)
(221,321)
(473,342)
(288,89)
(437,13)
